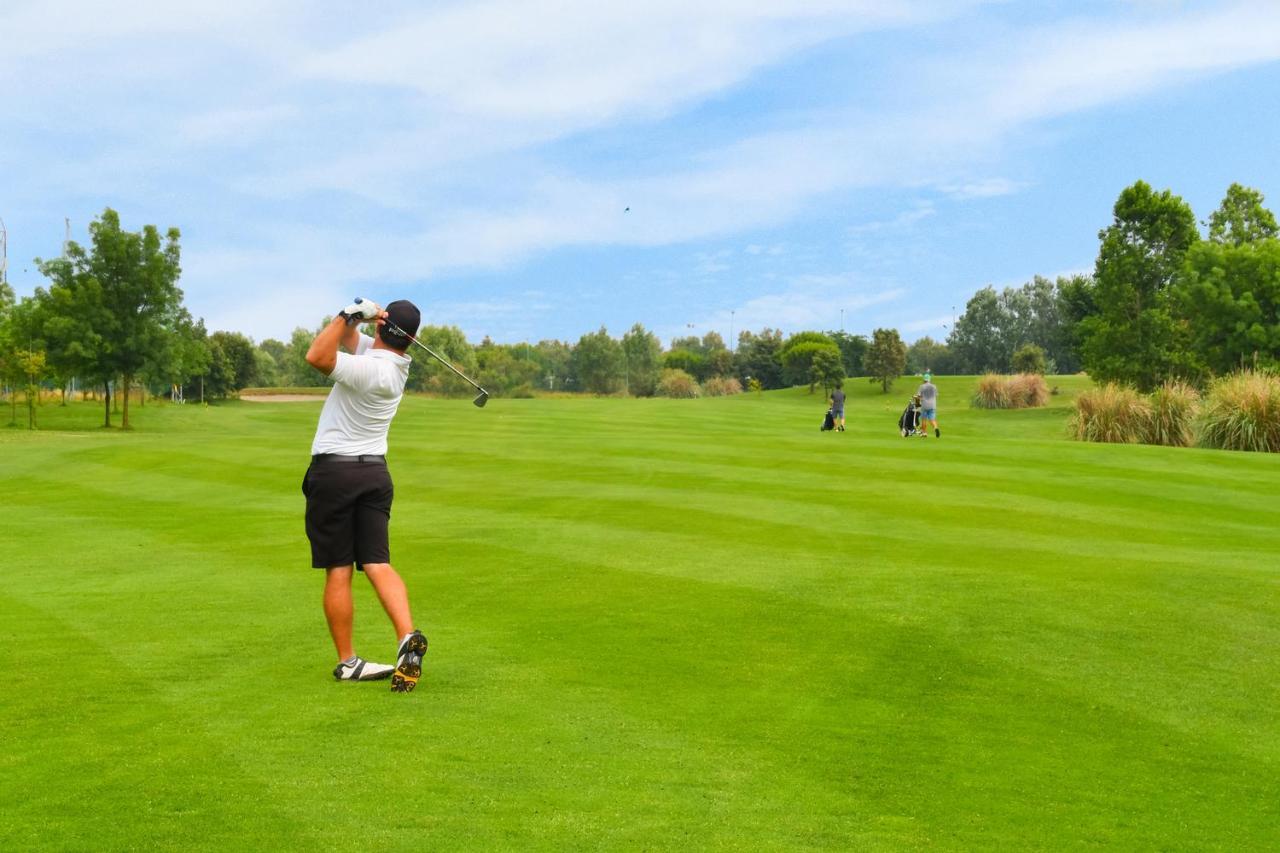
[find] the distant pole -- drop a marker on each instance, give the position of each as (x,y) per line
(4,253)
(842,321)
(66,234)
(953,318)
(732,347)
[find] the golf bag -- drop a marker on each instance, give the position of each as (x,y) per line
(909,423)
(829,421)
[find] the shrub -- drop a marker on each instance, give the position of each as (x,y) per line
(1023,391)
(676,383)
(1242,412)
(1029,358)
(1111,413)
(721,386)
(1173,412)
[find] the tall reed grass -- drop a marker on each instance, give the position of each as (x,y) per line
(1174,406)
(1242,412)
(1021,391)
(1112,414)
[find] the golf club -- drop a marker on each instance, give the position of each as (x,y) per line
(478,401)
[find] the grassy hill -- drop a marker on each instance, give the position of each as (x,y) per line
(654,624)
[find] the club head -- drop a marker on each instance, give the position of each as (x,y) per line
(481,400)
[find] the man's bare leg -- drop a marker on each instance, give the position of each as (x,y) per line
(391,591)
(338,609)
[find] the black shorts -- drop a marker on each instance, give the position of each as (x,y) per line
(348,507)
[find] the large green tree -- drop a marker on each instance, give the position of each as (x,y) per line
(1230,295)
(122,304)
(798,353)
(852,349)
(1242,218)
(598,363)
(826,369)
(642,360)
(979,340)
(886,358)
(233,364)
(758,358)
(1134,337)
(928,354)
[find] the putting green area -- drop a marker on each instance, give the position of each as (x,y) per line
(654,625)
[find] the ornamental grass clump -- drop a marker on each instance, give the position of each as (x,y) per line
(1173,411)
(721,386)
(992,392)
(1112,414)
(1022,391)
(1028,391)
(1242,412)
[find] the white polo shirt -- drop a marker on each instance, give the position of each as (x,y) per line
(366,393)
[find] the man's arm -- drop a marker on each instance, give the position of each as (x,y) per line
(323,354)
(342,331)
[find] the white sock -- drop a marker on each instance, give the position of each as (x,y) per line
(351,661)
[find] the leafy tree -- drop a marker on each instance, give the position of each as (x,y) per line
(711,342)
(427,374)
(597,363)
(852,349)
(555,359)
(642,353)
(1241,218)
(299,374)
(506,371)
(1231,295)
(690,361)
(886,358)
(720,362)
(758,358)
(1134,338)
(928,354)
(1029,359)
(826,369)
(126,293)
(798,354)
(7,299)
(274,372)
(233,364)
(30,364)
(1074,303)
(979,340)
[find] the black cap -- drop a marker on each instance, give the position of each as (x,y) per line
(404,315)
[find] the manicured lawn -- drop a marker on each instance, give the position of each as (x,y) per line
(654,624)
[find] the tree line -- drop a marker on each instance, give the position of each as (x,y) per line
(1163,302)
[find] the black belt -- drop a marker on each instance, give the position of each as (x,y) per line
(338,457)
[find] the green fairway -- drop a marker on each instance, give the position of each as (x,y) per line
(654,624)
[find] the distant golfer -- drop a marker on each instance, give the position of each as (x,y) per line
(348,487)
(928,406)
(837,405)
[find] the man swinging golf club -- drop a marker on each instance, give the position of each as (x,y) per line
(347,485)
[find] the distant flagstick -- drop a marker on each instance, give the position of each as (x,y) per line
(478,401)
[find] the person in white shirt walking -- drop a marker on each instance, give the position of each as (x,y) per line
(348,487)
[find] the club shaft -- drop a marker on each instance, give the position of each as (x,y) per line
(394,328)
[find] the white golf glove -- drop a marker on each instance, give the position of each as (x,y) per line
(360,311)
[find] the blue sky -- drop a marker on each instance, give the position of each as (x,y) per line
(782,161)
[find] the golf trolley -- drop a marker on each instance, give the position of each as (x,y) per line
(909,423)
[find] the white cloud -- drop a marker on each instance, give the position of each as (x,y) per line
(807,302)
